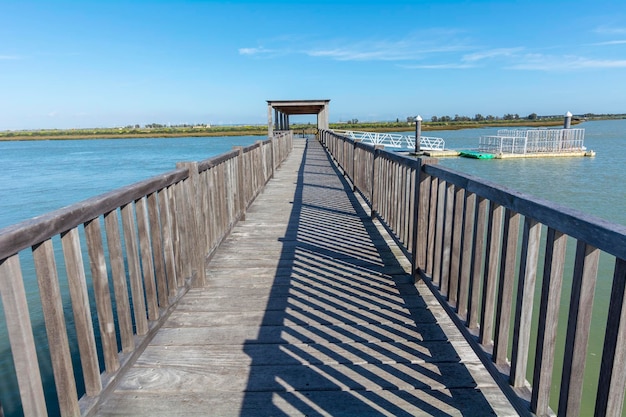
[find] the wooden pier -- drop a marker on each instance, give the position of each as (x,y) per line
(279,279)
(308,310)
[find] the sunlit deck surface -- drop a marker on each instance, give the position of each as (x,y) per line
(309,310)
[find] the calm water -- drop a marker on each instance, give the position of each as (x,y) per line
(37,177)
(40,176)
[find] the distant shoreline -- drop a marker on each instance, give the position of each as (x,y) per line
(178,132)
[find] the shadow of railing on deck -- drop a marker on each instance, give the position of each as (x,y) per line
(336,338)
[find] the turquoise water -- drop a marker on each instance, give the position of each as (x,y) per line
(37,177)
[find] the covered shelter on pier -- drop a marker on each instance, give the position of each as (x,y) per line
(278,112)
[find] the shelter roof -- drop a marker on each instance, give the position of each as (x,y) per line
(299,106)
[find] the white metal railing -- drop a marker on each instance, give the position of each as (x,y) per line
(534,141)
(394,140)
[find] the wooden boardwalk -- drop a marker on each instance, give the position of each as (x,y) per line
(309,310)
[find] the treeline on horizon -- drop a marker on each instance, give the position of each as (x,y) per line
(201,129)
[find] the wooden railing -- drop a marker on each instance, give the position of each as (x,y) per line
(153,236)
(480,247)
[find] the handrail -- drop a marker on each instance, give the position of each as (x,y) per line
(478,246)
(158,234)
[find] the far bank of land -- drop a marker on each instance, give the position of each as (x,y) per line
(261,130)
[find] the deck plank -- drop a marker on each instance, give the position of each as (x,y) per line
(308,310)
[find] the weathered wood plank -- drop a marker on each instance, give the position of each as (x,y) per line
(441,206)
(468,401)
(556,243)
(478,239)
(524,302)
(466,255)
(578,326)
(505,286)
(134,270)
(120,289)
(457,244)
(104,308)
(494,232)
(612,383)
(156,238)
(82,312)
(340,353)
(56,330)
(369,377)
(21,337)
(432,222)
(147,259)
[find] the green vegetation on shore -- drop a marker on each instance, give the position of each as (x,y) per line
(161,131)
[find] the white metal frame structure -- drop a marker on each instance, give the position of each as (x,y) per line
(533,141)
(394,140)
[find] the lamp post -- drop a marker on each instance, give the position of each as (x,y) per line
(568,120)
(418,132)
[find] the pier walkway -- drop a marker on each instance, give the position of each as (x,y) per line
(309,310)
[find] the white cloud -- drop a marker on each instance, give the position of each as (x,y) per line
(439,66)
(492,53)
(410,48)
(609,30)
(413,47)
(539,62)
(609,43)
(254,51)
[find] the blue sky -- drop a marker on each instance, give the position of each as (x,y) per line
(96,64)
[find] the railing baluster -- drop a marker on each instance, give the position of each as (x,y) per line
(82,314)
(104,308)
(466,256)
(524,303)
(491,273)
(56,330)
(441,206)
(421,192)
(581,305)
(167,230)
(156,237)
(457,244)
(21,337)
(505,288)
(478,245)
(147,264)
(134,271)
(120,289)
(556,244)
(447,241)
(610,398)
(432,224)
